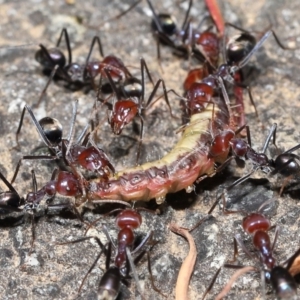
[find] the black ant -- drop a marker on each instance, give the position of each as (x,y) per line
(90,158)
(72,73)
(285,163)
(110,284)
(257,225)
(11,200)
(187,40)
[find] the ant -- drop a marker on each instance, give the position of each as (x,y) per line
(237,52)
(257,226)
(127,105)
(54,62)
(12,201)
(90,158)
(284,164)
(127,221)
(72,73)
(186,41)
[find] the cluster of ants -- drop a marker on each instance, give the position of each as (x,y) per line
(213,130)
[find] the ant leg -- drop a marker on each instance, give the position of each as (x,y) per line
(212,282)
(134,272)
(242,245)
(36,124)
(148,237)
(105,230)
(53,72)
(185,21)
(33,224)
(156,289)
(89,271)
(95,40)
(64,33)
(160,81)
(238,181)
(113,85)
(70,137)
(235,252)
(292,149)
(285,182)
(8,184)
(140,139)
(143,68)
(277,228)
(19,128)
(271,133)
(257,46)
(103,250)
(39,157)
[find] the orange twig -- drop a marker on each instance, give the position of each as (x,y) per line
(187,267)
(234,277)
(216,15)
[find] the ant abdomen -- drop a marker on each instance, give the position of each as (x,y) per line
(52,129)
(110,284)
(283,283)
(56,58)
(239,47)
(167,23)
(286,164)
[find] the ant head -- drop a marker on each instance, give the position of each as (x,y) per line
(286,164)
(110,284)
(132,87)
(167,24)
(49,58)
(239,47)
(52,129)
(123,113)
(75,71)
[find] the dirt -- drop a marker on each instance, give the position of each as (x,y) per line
(55,271)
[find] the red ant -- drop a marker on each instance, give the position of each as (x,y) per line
(131,103)
(89,158)
(257,225)
(127,221)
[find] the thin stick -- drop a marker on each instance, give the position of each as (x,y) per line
(187,267)
(231,281)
